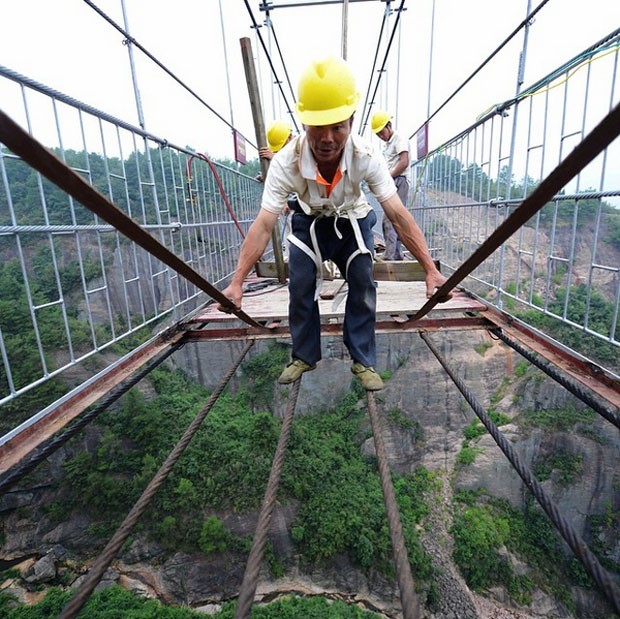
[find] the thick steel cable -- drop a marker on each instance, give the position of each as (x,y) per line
(591,146)
(273,70)
(45,162)
(374,64)
(385,57)
(484,63)
(605,409)
(250,577)
(576,543)
(47,448)
(275,38)
(408,598)
(150,56)
(93,577)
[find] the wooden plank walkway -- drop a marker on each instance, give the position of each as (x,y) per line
(268,300)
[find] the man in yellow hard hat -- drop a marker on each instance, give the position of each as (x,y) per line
(396,153)
(279,134)
(334,221)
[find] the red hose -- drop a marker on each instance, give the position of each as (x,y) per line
(218,180)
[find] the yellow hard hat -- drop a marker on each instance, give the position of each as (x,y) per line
(326,93)
(278,133)
(379,120)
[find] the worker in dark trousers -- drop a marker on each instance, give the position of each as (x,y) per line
(396,153)
(326,168)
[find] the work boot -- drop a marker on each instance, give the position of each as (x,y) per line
(293,371)
(371,381)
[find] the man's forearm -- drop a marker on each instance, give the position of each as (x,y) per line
(414,241)
(409,232)
(254,245)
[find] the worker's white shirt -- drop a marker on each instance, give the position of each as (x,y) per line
(294,170)
(393,148)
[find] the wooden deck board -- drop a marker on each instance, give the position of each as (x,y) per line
(271,302)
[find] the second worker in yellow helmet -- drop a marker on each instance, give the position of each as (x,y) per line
(396,153)
(326,167)
(279,134)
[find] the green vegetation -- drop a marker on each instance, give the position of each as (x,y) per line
(111,603)
(521,368)
(484,526)
(226,467)
(37,270)
(567,465)
(602,527)
(295,607)
(467,455)
(482,348)
(118,603)
(473,432)
(600,317)
(557,419)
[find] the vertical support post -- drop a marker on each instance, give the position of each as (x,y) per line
(259,127)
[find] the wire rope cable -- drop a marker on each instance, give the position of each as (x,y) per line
(594,143)
(276,41)
(148,54)
(44,161)
(385,57)
(483,64)
(83,591)
(575,542)
(250,577)
(47,448)
(604,409)
(268,56)
(409,600)
(374,64)
(220,187)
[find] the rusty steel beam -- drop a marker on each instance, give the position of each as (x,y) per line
(396,325)
(592,376)
(26,438)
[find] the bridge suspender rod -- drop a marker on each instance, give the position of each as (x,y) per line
(605,409)
(95,574)
(250,578)
(594,143)
(408,599)
(45,162)
(608,587)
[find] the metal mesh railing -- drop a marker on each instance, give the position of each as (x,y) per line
(563,266)
(72,285)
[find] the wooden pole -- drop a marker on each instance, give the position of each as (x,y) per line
(259,127)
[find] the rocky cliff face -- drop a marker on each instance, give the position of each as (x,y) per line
(424,417)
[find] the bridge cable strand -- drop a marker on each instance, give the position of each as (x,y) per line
(47,448)
(288,79)
(44,161)
(605,409)
(408,599)
(594,143)
(131,40)
(484,63)
(576,543)
(374,64)
(273,70)
(385,57)
(102,563)
(220,186)
(250,577)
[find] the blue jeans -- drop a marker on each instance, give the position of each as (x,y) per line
(360,309)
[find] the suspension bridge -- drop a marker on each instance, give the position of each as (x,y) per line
(135,234)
